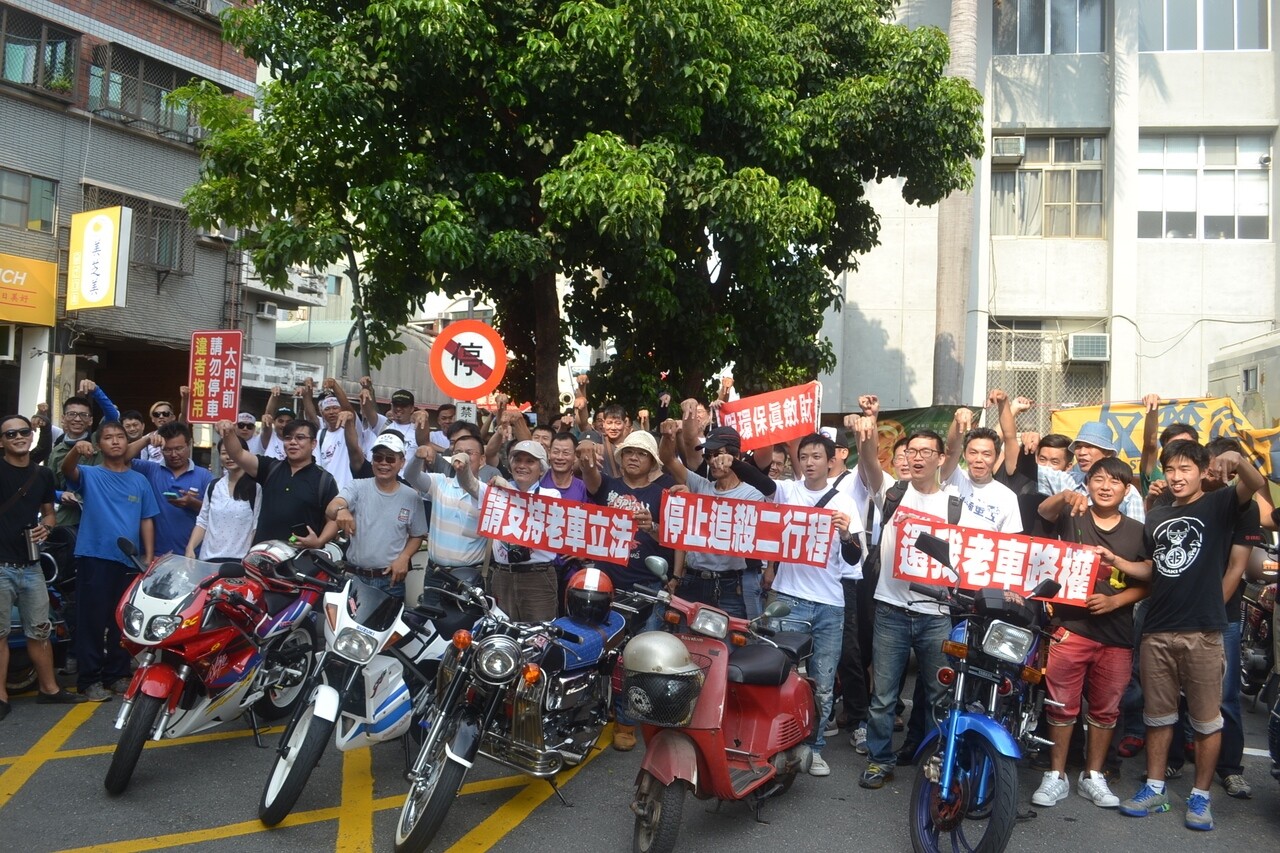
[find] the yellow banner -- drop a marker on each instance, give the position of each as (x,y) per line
(1211,416)
(28,291)
(98,270)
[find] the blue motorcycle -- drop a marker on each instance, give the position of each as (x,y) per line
(966,789)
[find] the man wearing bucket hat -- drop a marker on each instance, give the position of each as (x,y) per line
(523,580)
(1094,441)
(384,518)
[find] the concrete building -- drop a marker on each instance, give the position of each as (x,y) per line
(1122,212)
(84,124)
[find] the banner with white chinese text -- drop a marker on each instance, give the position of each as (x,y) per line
(214,376)
(774,417)
(564,527)
(764,531)
(988,560)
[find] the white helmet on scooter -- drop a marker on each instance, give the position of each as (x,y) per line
(662,680)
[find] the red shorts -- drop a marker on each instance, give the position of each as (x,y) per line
(1079,667)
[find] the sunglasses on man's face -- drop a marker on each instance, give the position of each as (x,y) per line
(385,459)
(162,414)
(16,433)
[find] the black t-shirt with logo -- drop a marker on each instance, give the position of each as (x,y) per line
(1124,540)
(24,511)
(1189,546)
(616,493)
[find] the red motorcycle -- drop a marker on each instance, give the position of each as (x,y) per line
(724,711)
(214,642)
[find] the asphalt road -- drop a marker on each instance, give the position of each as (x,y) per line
(201,794)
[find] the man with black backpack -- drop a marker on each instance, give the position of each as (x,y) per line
(902,623)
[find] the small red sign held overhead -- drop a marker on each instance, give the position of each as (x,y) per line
(468,359)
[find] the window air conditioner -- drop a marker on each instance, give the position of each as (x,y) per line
(8,341)
(1089,346)
(218,236)
(268,311)
(1008,149)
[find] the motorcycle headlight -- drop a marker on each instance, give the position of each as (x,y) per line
(497,659)
(713,623)
(161,627)
(354,646)
(132,621)
(1007,642)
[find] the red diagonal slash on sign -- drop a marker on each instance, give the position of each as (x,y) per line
(466,359)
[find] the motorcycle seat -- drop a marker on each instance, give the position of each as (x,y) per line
(277,601)
(758,664)
(797,644)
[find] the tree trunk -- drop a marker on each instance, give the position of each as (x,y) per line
(546,346)
(955,233)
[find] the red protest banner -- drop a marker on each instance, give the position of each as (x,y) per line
(775,416)
(984,559)
(561,526)
(765,531)
(214,376)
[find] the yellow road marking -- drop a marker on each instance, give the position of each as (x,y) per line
(26,766)
(510,814)
(355,816)
(176,839)
(88,751)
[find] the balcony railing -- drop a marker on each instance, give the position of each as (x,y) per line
(260,371)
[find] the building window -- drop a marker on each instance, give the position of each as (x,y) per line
(1047,26)
(35,53)
(134,89)
(1055,192)
(1210,187)
(1202,25)
(162,235)
(333,284)
(27,201)
(1249,380)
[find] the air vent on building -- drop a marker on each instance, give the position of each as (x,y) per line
(1089,346)
(1008,149)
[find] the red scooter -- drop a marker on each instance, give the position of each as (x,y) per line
(724,711)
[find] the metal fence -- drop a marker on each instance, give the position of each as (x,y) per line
(1034,364)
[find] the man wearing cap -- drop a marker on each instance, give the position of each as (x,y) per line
(523,581)
(400,419)
(384,518)
(273,421)
(714,579)
(1094,441)
(331,442)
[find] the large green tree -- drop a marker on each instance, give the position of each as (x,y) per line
(694,169)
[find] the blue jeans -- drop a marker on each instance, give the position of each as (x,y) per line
(752,595)
(1231,756)
(828,626)
(383,582)
(897,634)
(25,587)
(727,593)
(100,584)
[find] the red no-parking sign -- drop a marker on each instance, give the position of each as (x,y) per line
(468,359)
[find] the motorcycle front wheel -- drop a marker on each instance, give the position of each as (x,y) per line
(292,769)
(980,817)
(142,721)
(431,795)
(658,809)
(281,697)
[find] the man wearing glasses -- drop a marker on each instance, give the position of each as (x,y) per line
(295,492)
(162,412)
(26,494)
(384,518)
(453,544)
(77,424)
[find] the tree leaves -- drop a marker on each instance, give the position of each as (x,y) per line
(692,170)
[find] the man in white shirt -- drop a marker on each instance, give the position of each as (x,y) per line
(331,441)
(814,594)
(992,501)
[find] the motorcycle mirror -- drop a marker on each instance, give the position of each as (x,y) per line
(935,547)
(657,566)
(1047,588)
(126,545)
(777,610)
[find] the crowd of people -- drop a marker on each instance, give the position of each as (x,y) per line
(1148,661)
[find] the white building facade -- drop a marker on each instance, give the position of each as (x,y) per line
(1123,211)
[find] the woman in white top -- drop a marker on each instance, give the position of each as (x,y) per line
(224,528)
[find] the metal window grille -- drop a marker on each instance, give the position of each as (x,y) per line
(133,89)
(1033,364)
(36,53)
(162,235)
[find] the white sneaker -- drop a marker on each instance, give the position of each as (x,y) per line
(1093,786)
(1053,789)
(819,767)
(859,739)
